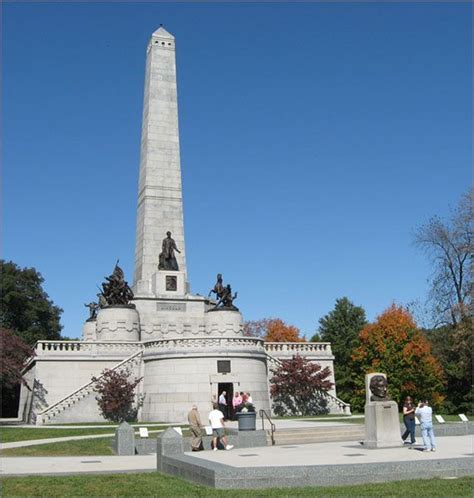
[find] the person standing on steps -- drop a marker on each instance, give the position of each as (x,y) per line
(223,404)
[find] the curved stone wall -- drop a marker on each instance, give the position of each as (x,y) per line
(118,324)
(181,372)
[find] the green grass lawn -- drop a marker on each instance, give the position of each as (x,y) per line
(11,434)
(155,484)
(82,447)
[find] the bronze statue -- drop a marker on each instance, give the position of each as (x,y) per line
(379,388)
(93,307)
(225,299)
(115,291)
(167,259)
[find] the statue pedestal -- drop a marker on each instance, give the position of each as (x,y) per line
(89,331)
(382,425)
(118,323)
(168,283)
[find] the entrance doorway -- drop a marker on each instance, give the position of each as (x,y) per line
(228,387)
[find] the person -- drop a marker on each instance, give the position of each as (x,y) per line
(236,401)
(223,403)
(409,420)
(195,427)
(244,398)
(425,416)
(216,419)
(249,399)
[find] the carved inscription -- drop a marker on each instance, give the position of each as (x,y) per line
(170,306)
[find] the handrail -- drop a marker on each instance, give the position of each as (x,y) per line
(121,364)
(263,414)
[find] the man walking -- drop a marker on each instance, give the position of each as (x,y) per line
(216,419)
(195,427)
(425,415)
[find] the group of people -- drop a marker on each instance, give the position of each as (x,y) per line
(216,421)
(424,413)
(239,400)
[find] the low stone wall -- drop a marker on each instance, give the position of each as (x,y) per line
(246,439)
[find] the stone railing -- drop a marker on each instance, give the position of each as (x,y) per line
(43,348)
(202,344)
(302,348)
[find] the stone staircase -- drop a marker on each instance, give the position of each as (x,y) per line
(346,432)
(57,412)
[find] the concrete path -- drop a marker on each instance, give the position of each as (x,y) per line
(76,465)
(294,424)
(339,453)
(34,442)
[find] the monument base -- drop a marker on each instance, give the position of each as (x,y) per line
(382,425)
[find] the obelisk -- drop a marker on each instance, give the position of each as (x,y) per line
(160,202)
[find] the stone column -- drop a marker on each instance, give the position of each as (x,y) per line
(160,204)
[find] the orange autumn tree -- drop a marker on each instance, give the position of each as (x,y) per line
(394,345)
(272,330)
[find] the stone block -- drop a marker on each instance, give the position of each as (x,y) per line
(170,443)
(382,425)
(125,440)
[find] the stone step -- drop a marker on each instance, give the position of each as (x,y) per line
(317,434)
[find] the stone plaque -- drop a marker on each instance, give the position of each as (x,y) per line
(171,283)
(223,366)
(170,306)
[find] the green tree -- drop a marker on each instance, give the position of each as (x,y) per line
(26,308)
(452,346)
(395,346)
(341,328)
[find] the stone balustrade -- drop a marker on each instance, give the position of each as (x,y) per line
(203,344)
(43,348)
(313,349)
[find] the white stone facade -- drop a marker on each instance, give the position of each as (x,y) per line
(186,351)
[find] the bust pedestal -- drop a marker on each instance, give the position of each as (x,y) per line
(382,426)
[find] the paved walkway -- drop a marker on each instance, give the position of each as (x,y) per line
(336,453)
(339,453)
(35,442)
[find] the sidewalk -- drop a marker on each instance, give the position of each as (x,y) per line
(295,457)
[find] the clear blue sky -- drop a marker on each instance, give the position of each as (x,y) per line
(314,138)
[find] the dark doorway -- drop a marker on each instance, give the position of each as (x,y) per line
(228,387)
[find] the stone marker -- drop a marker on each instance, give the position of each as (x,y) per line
(382,425)
(125,440)
(169,443)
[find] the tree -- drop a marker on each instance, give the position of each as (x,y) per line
(449,245)
(341,328)
(26,308)
(298,386)
(116,397)
(452,346)
(272,330)
(13,353)
(393,345)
